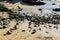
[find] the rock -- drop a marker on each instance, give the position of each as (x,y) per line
(33,2)
(56,9)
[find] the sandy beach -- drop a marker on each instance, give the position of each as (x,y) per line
(18,34)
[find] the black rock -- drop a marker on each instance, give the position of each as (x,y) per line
(33,2)
(8,33)
(4,27)
(56,9)
(33,32)
(14,28)
(39,28)
(53,4)
(29,23)
(17,23)
(49,26)
(39,9)
(23,30)
(55,27)
(47,32)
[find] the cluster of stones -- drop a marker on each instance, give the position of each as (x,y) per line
(35,19)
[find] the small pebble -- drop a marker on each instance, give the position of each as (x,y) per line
(46,32)
(49,26)
(8,33)
(39,28)
(17,23)
(23,30)
(55,27)
(34,31)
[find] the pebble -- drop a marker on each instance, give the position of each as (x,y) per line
(17,23)
(39,28)
(47,32)
(55,27)
(29,23)
(33,32)
(14,28)
(23,30)
(8,33)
